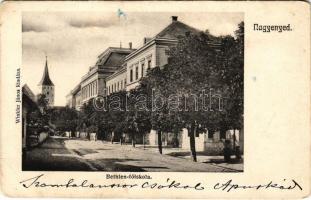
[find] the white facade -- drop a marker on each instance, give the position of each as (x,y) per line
(89,88)
(138,64)
(116,82)
(152,54)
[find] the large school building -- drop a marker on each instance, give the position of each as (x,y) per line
(122,68)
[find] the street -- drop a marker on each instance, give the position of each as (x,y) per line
(64,154)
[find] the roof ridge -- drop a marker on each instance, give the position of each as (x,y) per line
(174,23)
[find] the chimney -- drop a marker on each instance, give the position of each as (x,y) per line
(174,18)
(146,39)
(130,45)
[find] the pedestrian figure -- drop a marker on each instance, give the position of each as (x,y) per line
(237,153)
(227,151)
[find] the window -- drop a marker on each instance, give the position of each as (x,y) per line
(142,69)
(121,84)
(118,86)
(136,77)
(90,88)
(124,82)
(149,64)
(131,75)
(96,87)
(112,88)
(115,87)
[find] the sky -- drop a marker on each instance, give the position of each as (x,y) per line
(73,40)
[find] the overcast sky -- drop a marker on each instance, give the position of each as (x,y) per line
(72,41)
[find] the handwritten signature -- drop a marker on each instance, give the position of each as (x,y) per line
(227,186)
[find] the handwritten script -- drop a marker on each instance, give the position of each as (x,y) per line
(227,186)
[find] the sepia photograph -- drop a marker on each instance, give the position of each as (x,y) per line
(133,91)
(152,99)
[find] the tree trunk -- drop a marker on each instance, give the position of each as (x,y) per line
(112,136)
(176,141)
(192,143)
(133,139)
(144,140)
(234,139)
(160,141)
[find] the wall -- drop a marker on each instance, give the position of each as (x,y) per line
(168,139)
(78,100)
(153,138)
(115,80)
(162,57)
(89,87)
(42,137)
(48,91)
(199,141)
(143,57)
(69,101)
(242,140)
(101,86)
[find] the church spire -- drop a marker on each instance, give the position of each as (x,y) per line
(46,77)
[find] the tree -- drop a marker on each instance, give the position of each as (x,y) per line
(117,114)
(191,70)
(64,119)
(39,119)
(232,64)
(154,117)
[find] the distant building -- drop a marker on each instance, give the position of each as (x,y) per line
(46,86)
(69,100)
(94,82)
(77,98)
(73,99)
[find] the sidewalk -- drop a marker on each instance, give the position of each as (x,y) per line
(115,157)
(202,157)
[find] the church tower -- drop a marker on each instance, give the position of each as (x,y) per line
(46,86)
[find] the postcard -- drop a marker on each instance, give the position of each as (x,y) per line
(153,99)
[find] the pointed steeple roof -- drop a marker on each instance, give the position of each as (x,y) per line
(46,77)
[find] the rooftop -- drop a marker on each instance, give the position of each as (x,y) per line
(46,77)
(109,61)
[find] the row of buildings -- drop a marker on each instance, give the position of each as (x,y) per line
(122,68)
